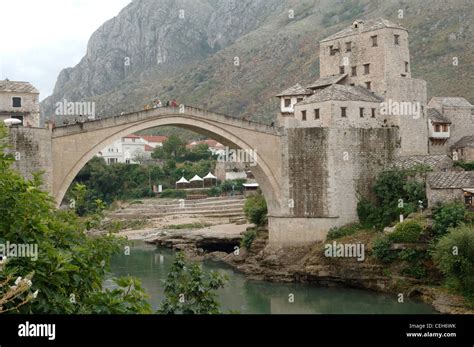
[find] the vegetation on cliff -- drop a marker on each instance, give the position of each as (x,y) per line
(429,246)
(395,192)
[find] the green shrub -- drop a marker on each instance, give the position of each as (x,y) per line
(381,249)
(226,186)
(173,194)
(214,191)
(191,290)
(416,271)
(409,255)
(390,187)
(447,215)
(406,232)
(248,238)
(469,217)
(414,259)
(255,209)
(454,256)
(338,232)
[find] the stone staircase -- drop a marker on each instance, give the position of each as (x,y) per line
(222,207)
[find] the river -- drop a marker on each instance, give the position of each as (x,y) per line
(151,265)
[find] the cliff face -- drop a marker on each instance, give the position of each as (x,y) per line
(232,56)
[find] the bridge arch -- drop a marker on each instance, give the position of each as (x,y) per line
(73,146)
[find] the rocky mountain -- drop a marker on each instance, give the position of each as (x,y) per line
(233,56)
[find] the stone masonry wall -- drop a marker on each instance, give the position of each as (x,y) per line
(443,195)
(308,171)
(356,157)
(34,147)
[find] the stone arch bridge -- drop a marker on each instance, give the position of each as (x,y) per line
(308,187)
(73,146)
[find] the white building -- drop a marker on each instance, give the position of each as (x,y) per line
(130,149)
(215,147)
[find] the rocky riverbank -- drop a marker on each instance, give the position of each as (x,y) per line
(308,264)
(211,229)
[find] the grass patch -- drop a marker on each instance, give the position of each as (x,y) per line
(338,232)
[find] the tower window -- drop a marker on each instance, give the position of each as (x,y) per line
(406,66)
(343,112)
(316,113)
(349,46)
(368,85)
(361,112)
(287,102)
(445,128)
(437,128)
(332,51)
(16,101)
(396,39)
(299,99)
(373,113)
(341,70)
(366,69)
(374,41)
(303,115)
(354,71)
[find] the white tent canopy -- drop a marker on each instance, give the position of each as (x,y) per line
(250,185)
(196,178)
(182,180)
(210,176)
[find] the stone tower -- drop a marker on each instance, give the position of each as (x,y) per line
(375,54)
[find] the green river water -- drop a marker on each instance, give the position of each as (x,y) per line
(151,265)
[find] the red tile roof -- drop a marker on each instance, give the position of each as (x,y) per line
(210,143)
(131,136)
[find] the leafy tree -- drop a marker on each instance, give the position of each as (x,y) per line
(174,148)
(391,188)
(454,256)
(190,290)
(447,215)
(139,156)
(70,268)
(128,297)
(255,209)
(199,152)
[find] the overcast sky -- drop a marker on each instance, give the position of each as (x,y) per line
(38,38)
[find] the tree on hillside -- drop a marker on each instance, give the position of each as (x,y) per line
(173,148)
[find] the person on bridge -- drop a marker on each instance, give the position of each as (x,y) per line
(174,103)
(157,104)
